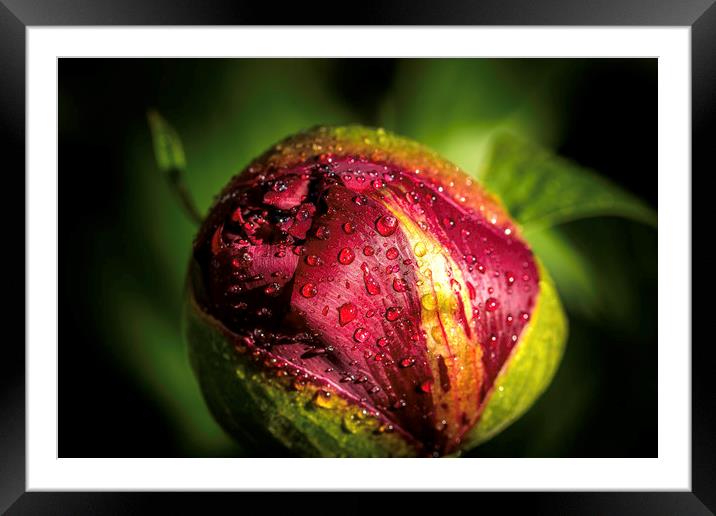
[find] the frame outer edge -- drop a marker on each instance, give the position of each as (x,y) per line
(12,151)
(12,128)
(703,109)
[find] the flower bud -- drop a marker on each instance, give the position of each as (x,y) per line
(351,293)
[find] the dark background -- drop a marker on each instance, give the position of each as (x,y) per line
(120,395)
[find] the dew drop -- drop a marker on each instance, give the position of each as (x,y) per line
(346,256)
(426,386)
(391,253)
(323,232)
(491,304)
(510,279)
(309,290)
(349,228)
(386,225)
(393,313)
(245,258)
(429,301)
(407,362)
(313,260)
(272,289)
(420,249)
(324,399)
(400,285)
(371,285)
(436,332)
(361,335)
(368,251)
(412,197)
(346,313)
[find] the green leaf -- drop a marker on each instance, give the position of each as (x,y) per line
(541,190)
(168,149)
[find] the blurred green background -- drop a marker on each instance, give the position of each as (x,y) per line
(125,387)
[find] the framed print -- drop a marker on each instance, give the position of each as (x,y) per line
(443,257)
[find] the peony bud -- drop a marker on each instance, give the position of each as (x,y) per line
(351,293)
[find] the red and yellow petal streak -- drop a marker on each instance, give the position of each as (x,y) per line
(455,358)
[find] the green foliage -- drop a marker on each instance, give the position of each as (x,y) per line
(542,190)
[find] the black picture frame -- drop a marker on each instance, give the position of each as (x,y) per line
(16,15)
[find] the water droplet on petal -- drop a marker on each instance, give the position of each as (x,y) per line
(391,253)
(407,362)
(346,313)
(346,256)
(361,335)
(313,260)
(393,313)
(323,232)
(272,289)
(510,279)
(400,285)
(386,225)
(309,290)
(371,285)
(429,302)
(491,304)
(324,399)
